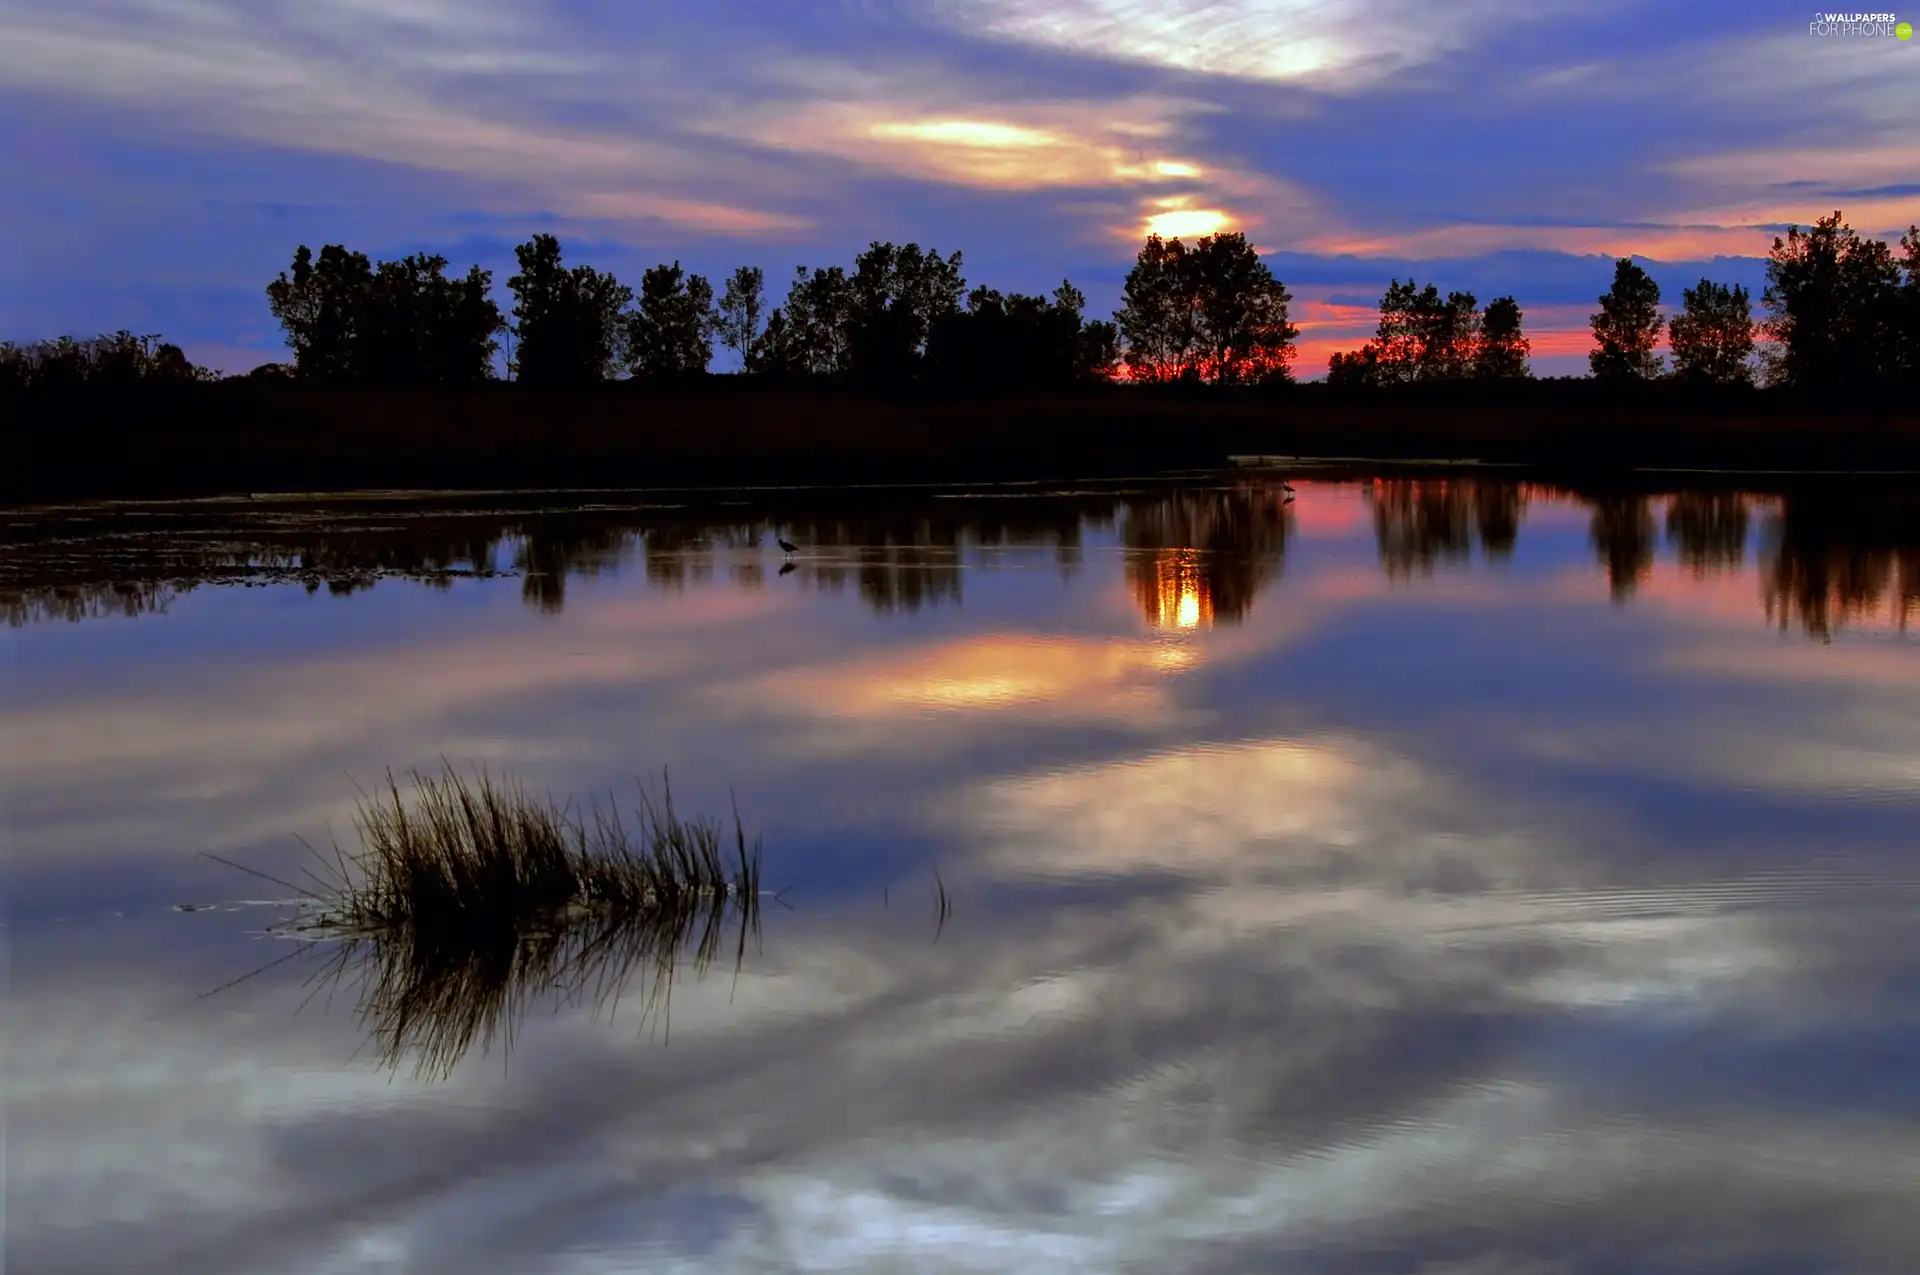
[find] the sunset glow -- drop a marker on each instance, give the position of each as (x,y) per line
(1188,223)
(1034,125)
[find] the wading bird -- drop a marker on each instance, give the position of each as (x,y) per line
(784,544)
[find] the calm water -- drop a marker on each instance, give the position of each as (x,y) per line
(1440,875)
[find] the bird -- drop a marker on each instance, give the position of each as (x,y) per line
(1287,487)
(789,546)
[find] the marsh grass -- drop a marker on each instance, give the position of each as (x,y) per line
(471,900)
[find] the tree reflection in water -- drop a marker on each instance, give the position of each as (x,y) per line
(1825,556)
(1198,558)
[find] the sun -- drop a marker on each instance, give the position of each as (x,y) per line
(1181,223)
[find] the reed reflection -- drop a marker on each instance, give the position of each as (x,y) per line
(1199,558)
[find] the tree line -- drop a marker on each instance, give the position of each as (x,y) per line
(900,314)
(116,359)
(1841,309)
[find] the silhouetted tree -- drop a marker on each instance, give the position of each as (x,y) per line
(116,360)
(351,322)
(1833,301)
(774,352)
(1421,336)
(320,305)
(1096,355)
(808,336)
(670,332)
(1158,317)
(897,294)
(418,327)
(1909,320)
(742,306)
(1244,336)
(1009,342)
(1627,326)
(1712,336)
(1501,353)
(1355,367)
(1213,312)
(567,323)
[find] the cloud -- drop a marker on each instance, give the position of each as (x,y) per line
(1335,47)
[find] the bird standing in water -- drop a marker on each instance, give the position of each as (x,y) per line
(784,544)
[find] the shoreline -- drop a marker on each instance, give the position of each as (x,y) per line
(226,439)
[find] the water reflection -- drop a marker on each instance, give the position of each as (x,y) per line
(1195,553)
(1421,523)
(1538,950)
(1708,530)
(1624,540)
(1197,558)
(1830,562)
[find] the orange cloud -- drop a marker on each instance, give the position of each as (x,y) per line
(1025,147)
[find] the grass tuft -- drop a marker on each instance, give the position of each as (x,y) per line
(471,897)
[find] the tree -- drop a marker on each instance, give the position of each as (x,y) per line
(1449,333)
(117,360)
(1627,326)
(1712,336)
(1009,342)
(1351,368)
(567,323)
(1096,355)
(1212,312)
(896,295)
(1909,321)
(1158,317)
(350,322)
(1501,353)
(1242,335)
(670,333)
(774,352)
(1421,336)
(813,337)
(320,305)
(1833,301)
(742,306)
(415,326)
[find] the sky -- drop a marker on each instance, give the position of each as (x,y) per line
(165,157)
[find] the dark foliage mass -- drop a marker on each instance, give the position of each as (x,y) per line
(352,322)
(115,361)
(567,323)
(1211,313)
(1842,309)
(1424,337)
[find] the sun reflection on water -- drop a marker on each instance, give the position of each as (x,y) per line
(1178,595)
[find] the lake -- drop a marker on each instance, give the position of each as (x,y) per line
(1436,871)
